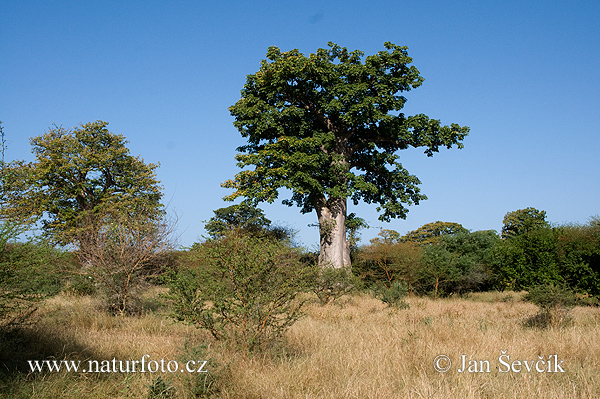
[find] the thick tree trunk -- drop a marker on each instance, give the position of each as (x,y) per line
(335,251)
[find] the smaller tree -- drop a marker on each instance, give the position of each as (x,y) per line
(440,266)
(579,256)
(246,218)
(474,251)
(353,225)
(387,236)
(384,263)
(554,302)
(523,221)
(77,175)
(242,217)
(432,232)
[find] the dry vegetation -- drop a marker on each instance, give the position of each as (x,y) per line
(357,348)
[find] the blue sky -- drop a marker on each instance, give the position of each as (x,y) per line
(522,75)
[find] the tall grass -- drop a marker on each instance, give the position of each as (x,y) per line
(357,348)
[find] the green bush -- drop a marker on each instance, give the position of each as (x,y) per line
(330,283)
(29,272)
(81,284)
(393,295)
(554,301)
(242,289)
(527,260)
(207,383)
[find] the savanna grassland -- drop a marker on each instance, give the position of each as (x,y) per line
(357,347)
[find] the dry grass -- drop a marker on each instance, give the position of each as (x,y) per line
(358,348)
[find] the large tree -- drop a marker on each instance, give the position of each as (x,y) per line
(327,127)
(78,177)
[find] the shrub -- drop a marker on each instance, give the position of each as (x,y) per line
(207,383)
(118,253)
(242,289)
(554,302)
(330,283)
(393,295)
(28,274)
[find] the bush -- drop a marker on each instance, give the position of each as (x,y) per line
(393,295)
(330,283)
(28,274)
(118,253)
(554,302)
(242,289)
(208,383)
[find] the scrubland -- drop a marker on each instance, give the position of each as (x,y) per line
(357,347)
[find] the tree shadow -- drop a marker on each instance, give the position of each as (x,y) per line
(22,344)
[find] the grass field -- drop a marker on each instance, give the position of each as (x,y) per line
(356,348)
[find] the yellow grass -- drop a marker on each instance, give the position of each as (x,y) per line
(358,348)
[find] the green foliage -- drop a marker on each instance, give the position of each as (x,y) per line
(393,295)
(81,284)
(474,259)
(78,174)
(440,266)
(432,232)
(242,289)
(327,127)
(579,256)
(559,255)
(527,260)
(331,283)
(440,257)
(458,263)
(246,218)
(208,383)
(29,272)
(353,225)
(523,221)
(550,296)
(554,301)
(387,236)
(243,216)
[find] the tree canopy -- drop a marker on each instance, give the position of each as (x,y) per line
(245,219)
(327,127)
(432,232)
(79,174)
(522,221)
(242,216)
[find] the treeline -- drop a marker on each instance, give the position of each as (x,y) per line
(444,258)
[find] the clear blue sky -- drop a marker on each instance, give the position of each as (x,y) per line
(523,75)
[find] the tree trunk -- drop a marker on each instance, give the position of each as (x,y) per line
(335,251)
